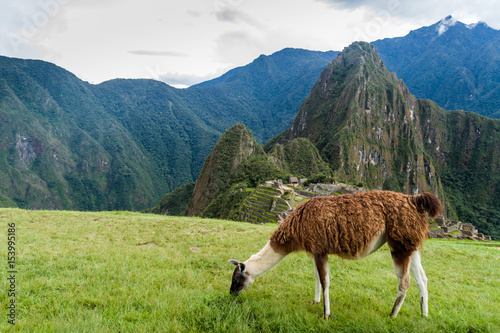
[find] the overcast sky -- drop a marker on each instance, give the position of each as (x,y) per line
(189,41)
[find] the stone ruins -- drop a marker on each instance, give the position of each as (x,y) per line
(443,228)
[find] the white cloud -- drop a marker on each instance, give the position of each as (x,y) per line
(24,24)
(157,53)
(179,80)
(426,12)
(445,23)
(104,39)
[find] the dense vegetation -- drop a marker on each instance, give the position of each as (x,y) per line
(236,162)
(61,149)
(175,202)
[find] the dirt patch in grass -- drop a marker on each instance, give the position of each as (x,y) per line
(147,244)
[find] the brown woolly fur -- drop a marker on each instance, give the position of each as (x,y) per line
(427,202)
(347,225)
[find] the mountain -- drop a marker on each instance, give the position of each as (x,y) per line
(236,165)
(370,129)
(236,159)
(264,95)
(173,135)
(452,63)
(123,144)
(175,203)
(59,148)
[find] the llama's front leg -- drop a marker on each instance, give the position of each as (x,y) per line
(321,262)
(317,289)
(421,279)
(401,268)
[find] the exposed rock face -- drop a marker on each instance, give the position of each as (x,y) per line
(25,152)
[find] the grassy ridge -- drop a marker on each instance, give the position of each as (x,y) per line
(129,272)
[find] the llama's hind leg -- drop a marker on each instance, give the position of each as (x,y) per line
(421,279)
(401,268)
(317,289)
(321,263)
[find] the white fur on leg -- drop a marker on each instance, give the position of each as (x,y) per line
(399,303)
(326,292)
(317,291)
(403,284)
(421,279)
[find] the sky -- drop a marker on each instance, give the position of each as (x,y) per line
(190,41)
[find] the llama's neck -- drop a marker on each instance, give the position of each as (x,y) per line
(263,261)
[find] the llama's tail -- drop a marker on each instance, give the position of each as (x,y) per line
(427,202)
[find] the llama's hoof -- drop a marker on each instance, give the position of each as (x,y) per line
(326,317)
(313,302)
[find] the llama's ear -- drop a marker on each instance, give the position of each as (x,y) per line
(240,265)
(234,262)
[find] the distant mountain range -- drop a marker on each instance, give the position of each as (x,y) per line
(123,144)
(454,64)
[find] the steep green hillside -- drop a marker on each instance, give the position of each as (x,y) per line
(237,164)
(61,149)
(300,158)
(236,159)
(363,122)
(175,140)
(175,202)
(466,150)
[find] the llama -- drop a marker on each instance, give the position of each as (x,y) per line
(351,226)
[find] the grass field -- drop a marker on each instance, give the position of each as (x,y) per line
(131,272)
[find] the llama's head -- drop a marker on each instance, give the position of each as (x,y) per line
(241,278)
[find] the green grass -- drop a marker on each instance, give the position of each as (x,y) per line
(130,272)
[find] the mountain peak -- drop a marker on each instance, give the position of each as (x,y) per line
(234,147)
(445,23)
(359,53)
(480,24)
(449,21)
(359,116)
(356,86)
